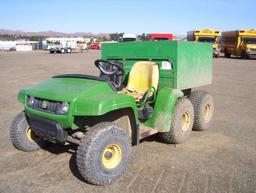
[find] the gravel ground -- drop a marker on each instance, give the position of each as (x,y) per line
(222,159)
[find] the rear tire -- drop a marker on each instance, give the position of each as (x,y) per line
(182,122)
(23,137)
(69,50)
(204,108)
(103,153)
(62,50)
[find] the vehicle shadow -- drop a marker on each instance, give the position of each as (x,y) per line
(237,58)
(71,149)
(152,138)
(73,168)
(57,149)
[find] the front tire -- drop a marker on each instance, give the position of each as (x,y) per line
(182,122)
(244,55)
(203,107)
(226,54)
(103,153)
(23,137)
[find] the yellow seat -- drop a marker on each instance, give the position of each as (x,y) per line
(143,76)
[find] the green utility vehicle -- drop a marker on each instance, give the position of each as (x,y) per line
(144,88)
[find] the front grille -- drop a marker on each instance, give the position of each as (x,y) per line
(46,105)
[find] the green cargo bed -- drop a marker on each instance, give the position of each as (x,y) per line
(182,64)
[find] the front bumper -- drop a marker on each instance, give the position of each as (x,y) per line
(49,130)
(252,53)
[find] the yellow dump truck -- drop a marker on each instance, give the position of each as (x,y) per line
(239,43)
(206,35)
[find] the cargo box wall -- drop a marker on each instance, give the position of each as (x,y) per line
(194,65)
(182,64)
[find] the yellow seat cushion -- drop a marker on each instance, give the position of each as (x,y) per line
(142,77)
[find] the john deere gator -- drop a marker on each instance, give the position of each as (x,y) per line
(143,89)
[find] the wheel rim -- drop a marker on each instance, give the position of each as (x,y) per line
(207,112)
(111,156)
(30,135)
(185,121)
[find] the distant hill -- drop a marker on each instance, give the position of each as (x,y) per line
(61,34)
(50,33)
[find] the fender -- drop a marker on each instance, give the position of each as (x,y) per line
(164,108)
(104,103)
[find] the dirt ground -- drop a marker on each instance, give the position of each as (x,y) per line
(222,159)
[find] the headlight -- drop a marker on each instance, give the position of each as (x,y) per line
(30,101)
(63,108)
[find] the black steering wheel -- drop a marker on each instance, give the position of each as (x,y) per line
(104,65)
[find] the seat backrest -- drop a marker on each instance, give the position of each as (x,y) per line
(143,75)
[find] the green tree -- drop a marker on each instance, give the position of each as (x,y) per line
(35,38)
(144,37)
(116,36)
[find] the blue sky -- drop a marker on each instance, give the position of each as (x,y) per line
(173,16)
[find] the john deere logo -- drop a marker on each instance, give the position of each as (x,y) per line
(44,104)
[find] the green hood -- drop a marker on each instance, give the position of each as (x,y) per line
(68,89)
(87,97)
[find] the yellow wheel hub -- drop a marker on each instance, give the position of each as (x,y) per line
(111,156)
(207,112)
(30,135)
(185,121)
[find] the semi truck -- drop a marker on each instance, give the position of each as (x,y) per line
(129,37)
(62,48)
(239,43)
(157,36)
(206,35)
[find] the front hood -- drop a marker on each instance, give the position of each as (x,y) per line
(250,46)
(68,89)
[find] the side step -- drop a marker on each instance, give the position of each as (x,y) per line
(145,131)
(142,132)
